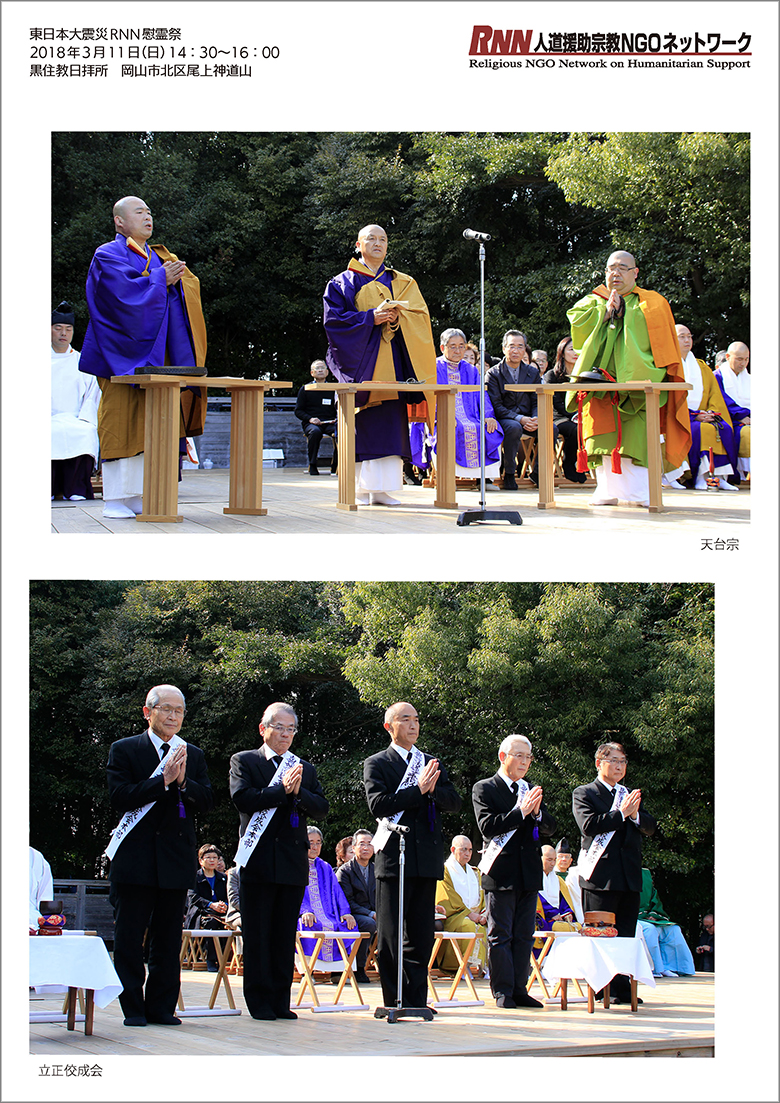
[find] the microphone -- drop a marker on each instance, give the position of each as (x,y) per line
(475,235)
(399,828)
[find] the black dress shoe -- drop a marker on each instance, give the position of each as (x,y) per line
(286,1013)
(522,999)
(313,470)
(509,483)
(361,976)
(164,1020)
(335,978)
(623,999)
(263,1013)
(506,1002)
(135,1020)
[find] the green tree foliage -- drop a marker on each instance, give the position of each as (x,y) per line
(568,665)
(681,204)
(265,220)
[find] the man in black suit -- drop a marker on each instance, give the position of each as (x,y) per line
(358,883)
(516,411)
(512,819)
(417,803)
(153,856)
(612,821)
(275,792)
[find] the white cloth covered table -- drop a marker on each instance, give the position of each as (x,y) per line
(598,960)
(73,961)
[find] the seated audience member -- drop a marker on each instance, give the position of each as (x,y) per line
(316,411)
(460,894)
(472,353)
(75,398)
(574,890)
(563,420)
(358,882)
(664,939)
(734,381)
(233,913)
(555,907)
(344,851)
(324,908)
(207,903)
(563,858)
(221,867)
(705,951)
(539,357)
(710,423)
(41,886)
(515,411)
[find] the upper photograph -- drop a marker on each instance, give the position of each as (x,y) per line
(400,332)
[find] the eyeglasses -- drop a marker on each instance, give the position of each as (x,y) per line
(617,761)
(522,757)
(618,268)
(169,710)
(287,729)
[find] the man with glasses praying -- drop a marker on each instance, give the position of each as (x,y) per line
(612,821)
(158,781)
(275,792)
(513,819)
(627,333)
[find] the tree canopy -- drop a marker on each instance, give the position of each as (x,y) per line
(568,665)
(266,219)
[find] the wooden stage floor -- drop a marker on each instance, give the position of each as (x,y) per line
(676,1020)
(298,503)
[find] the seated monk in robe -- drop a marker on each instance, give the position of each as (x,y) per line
(324,908)
(461,895)
(555,907)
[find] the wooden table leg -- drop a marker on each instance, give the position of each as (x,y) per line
(606,997)
(221,978)
(445,450)
(246,452)
(437,943)
(654,465)
(591,1000)
(89,1012)
(346,446)
(71,1008)
(546,458)
(564,999)
(162,421)
(307,980)
(634,1001)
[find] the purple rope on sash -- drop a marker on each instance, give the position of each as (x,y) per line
(182,809)
(294,813)
(431,813)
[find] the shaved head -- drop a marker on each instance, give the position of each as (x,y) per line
(738,356)
(621,272)
(133,218)
(372,246)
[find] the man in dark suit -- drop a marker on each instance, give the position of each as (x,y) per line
(612,821)
(358,883)
(275,792)
(153,858)
(512,819)
(417,804)
(516,411)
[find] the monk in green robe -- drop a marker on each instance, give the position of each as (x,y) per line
(628,334)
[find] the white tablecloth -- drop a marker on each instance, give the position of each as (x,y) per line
(75,961)
(598,960)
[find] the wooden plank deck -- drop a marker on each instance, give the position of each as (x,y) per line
(676,1020)
(298,503)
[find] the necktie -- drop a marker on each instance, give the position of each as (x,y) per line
(514,787)
(164,750)
(277,760)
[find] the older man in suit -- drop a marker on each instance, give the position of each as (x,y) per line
(612,821)
(409,788)
(158,781)
(512,819)
(515,411)
(358,883)
(275,792)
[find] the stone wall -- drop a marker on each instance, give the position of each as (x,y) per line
(281,429)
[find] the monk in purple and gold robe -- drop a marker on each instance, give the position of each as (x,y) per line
(324,906)
(145,311)
(371,342)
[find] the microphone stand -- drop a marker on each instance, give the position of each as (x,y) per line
(395,1014)
(473,516)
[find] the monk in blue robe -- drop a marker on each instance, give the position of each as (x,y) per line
(369,341)
(145,311)
(324,908)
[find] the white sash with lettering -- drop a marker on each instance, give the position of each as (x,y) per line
(495,846)
(260,820)
(130,819)
(412,772)
(588,859)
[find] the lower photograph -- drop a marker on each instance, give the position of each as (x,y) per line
(413,819)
